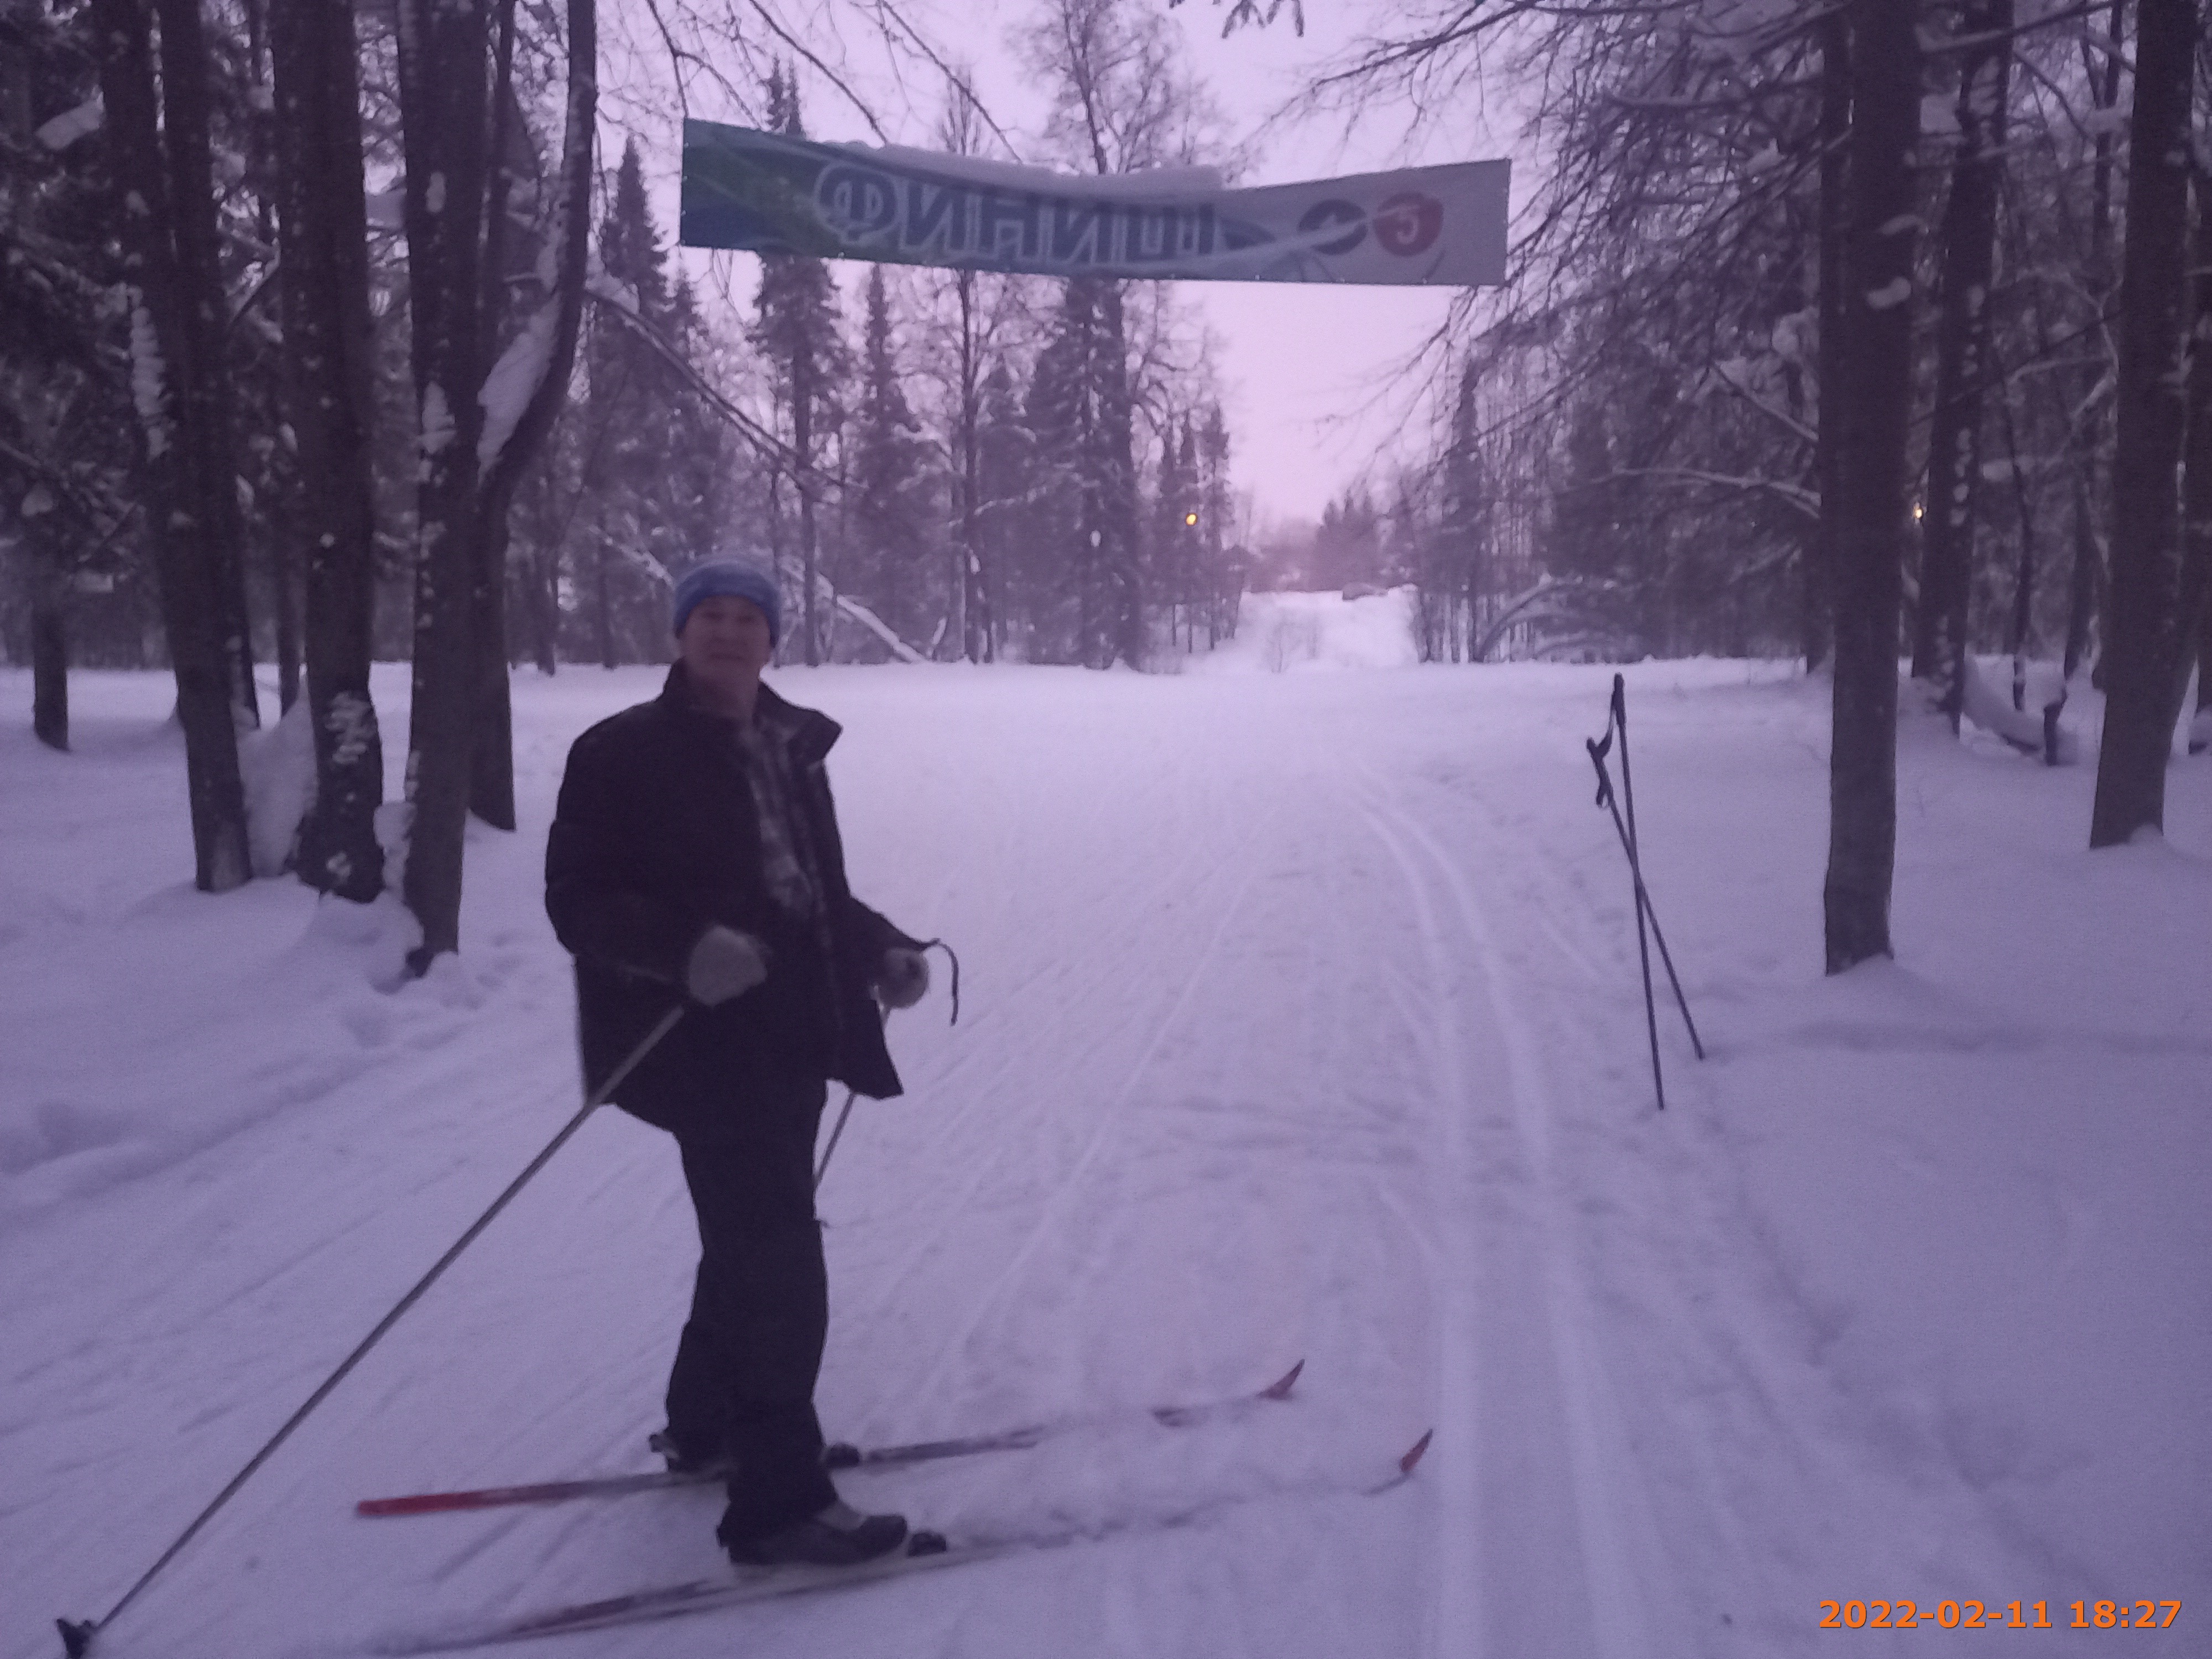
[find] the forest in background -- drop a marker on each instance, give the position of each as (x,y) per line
(331,331)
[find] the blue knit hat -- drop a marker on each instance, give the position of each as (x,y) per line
(735,577)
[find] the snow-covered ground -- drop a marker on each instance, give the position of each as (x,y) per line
(1300,1016)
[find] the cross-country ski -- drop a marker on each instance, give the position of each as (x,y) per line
(838,1455)
(927,1553)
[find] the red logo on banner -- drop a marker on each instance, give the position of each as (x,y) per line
(1408,222)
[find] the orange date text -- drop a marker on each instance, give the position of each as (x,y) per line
(1988,1615)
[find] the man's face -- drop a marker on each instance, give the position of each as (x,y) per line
(724,640)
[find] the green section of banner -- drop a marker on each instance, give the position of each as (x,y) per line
(769,194)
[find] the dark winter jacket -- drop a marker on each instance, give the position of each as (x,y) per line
(655,840)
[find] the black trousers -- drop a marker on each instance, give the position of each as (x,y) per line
(745,1366)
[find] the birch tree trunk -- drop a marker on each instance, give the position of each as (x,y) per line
(1870,520)
(449,77)
(329,346)
(198,616)
(2085,584)
(2144,631)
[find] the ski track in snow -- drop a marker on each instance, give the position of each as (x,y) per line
(1299,1019)
(1514,1333)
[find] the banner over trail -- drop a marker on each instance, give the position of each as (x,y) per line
(766,193)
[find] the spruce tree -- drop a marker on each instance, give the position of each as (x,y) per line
(1054,577)
(797,328)
(1461,538)
(889,569)
(1224,576)
(626,440)
(1117,630)
(66,420)
(697,477)
(1089,606)
(1004,459)
(1175,526)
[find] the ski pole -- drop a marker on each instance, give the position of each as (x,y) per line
(1635,868)
(884,1014)
(76,1636)
(1617,719)
(1618,715)
(823,1167)
(1643,893)
(883,1018)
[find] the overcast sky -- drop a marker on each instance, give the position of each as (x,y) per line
(1307,369)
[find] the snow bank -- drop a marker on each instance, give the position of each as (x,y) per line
(277,764)
(1286,633)
(1989,706)
(152,1021)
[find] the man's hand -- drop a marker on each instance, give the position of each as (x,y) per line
(902,977)
(725,963)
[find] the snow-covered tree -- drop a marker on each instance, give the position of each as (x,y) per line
(890,557)
(485,398)
(2148,634)
(328,345)
(797,328)
(157,131)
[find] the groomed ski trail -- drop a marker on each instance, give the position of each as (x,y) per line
(1198,1113)
(1538,1486)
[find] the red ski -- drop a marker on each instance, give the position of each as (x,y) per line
(927,1553)
(835,1457)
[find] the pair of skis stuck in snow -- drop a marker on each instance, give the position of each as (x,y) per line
(925,1551)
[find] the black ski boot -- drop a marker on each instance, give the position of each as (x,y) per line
(837,1536)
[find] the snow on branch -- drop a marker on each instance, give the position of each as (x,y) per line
(1551,599)
(1789,423)
(70,125)
(514,380)
(616,301)
(524,390)
(867,619)
(1796,498)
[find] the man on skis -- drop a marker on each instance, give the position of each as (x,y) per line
(695,854)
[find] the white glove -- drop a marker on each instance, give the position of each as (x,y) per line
(725,963)
(902,978)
